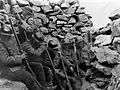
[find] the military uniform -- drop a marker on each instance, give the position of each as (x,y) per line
(36,56)
(12,67)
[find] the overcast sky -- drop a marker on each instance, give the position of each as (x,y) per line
(100,10)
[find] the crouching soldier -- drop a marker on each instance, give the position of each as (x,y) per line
(11,60)
(35,51)
(61,68)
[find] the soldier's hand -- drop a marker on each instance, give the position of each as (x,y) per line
(29,29)
(71,69)
(23,56)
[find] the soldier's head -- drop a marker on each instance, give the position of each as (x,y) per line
(38,36)
(6,33)
(54,45)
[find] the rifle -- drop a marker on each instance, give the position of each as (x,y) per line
(53,67)
(68,82)
(75,51)
(22,51)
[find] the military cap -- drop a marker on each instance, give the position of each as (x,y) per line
(42,16)
(38,36)
(16,9)
(54,43)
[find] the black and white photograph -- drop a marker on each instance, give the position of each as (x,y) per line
(59,44)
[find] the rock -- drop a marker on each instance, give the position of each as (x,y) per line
(115,14)
(39,2)
(62,17)
(11,85)
(116,71)
(55,1)
(53,19)
(103,69)
(72,21)
(36,9)
(61,22)
(115,27)
(12,2)
(80,10)
(57,8)
(54,13)
(83,18)
(105,54)
(102,40)
(89,23)
(44,30)
(47,9)
(52,24)
(22,3)
(79,25)
(86,29)
(71,10)
(89,17)
(68,25)
(116,40)
(87,86)
(64,5)
(38,22)
(66,29)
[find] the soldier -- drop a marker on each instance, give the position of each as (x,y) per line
(11,59)
(35,51)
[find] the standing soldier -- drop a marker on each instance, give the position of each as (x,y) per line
(11,65)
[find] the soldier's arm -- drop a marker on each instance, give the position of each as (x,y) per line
(6,59)
(66,61)
(29,49)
